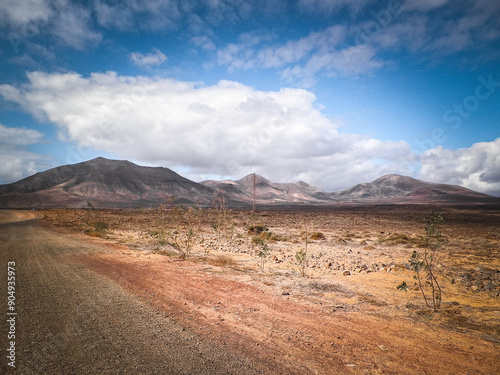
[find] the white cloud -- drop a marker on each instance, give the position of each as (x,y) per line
(476,167)
(18,13)
(350,61)
(156,15)
(73,26)
(15,161)
(18,136)
(69,23)
(17,164)
(319,53)
(204,42)
(458,26)
(424,5)
(428,30)
(227,129)
(114,16)
(153,58)
(328,7)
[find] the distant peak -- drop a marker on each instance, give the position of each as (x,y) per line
(99,159)
(393,177)
(251,176)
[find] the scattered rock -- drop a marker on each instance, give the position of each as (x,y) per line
(383,348)
(346,273)
(489,286)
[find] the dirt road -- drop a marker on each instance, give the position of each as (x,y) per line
(71,320)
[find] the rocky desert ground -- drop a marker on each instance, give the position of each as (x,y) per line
(309,291)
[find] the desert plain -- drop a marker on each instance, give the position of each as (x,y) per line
(273,291)
(233,277)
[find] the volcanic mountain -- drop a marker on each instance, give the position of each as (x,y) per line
(105,183)
(117,183)
(393,188)
(267,191)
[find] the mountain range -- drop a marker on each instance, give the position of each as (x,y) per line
(122,184)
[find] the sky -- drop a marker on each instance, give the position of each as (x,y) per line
(334,93)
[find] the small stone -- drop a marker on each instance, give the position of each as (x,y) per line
(346,273)
(489,286)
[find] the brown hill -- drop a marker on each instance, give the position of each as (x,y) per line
(396,189)
(118,183)
(105,183)
(267,192)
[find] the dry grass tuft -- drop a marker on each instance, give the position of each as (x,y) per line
(317,236)
(222,260)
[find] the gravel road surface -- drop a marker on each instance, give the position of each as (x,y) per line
(70,320)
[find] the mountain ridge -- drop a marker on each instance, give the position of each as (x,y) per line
(123,184)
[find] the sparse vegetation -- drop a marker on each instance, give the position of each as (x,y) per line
(263,253)
(222,260)
(317,236)
(185,229)
(355,244)
(96,225)
(221,217)
(301,257)
(257,229)
(433,240)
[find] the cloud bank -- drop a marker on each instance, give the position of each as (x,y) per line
(226,130)
(15,161)
(476,167)
(223,130)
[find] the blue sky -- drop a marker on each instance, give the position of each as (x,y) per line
(329,92)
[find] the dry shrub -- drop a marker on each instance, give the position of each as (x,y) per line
(317,236)
(94,233)
(270,236)
(222,260)
(400,239)
(257,229)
